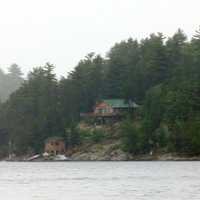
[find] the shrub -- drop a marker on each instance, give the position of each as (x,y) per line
(132,138)
(92,136)
(97,135)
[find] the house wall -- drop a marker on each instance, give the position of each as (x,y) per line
(103,108)
(55,147)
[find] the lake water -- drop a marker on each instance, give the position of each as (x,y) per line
(100,181)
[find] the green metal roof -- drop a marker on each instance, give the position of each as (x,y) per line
(118,103)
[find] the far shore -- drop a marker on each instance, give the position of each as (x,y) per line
(161,157)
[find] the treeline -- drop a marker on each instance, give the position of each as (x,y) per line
(160,74)
(10,82)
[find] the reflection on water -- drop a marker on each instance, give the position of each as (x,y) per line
(100,181)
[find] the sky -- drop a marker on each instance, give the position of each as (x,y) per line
(33,32)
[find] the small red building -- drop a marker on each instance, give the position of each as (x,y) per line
(103,108)
(55,145)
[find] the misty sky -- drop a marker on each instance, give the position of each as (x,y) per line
(63,31)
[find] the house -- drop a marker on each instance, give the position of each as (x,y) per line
(111,109)
(55,145)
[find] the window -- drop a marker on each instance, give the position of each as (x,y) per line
(100,110)
(105,110)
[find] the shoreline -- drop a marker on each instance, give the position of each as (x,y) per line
(141,158)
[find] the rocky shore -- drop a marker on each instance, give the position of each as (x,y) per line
(112,152)
(119,157)
(106,150)
(109,151)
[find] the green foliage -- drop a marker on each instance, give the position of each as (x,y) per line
(73,136)
(193,131)
(133,140)
(10,82)
(92,135)
(153,110)
(31,114)
(87,82)
(162,75)
(185,136)
(162,135)
(97,135)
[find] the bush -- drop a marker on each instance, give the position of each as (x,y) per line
(72,135)
(92,136)
(194,133)
(97,135)
(85,135)
(132,138)
(186,136)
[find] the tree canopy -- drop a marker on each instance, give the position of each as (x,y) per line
(10,82)
(160,74)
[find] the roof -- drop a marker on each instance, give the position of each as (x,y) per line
(55,138)
(119,103)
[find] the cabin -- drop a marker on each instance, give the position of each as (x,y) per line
(111,110)
(113,107)
(55,146)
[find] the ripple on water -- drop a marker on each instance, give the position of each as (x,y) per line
(100,181)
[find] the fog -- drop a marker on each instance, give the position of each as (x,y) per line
(10,81)
(63,31)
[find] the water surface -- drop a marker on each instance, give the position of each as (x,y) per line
(100,181)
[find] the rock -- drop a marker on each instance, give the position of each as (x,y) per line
(101,152)
(118,155)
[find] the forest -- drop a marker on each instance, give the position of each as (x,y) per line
(161,74)
(10,81)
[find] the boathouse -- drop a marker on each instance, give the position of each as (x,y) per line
(55,146)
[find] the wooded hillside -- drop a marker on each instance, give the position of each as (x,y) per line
(160,74)
(10,82)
